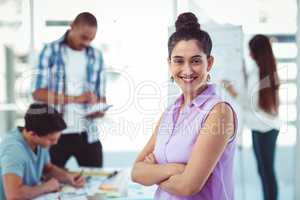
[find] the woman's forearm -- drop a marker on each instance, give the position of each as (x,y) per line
(179,185)
(150,174)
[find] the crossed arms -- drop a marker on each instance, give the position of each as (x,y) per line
(188,179)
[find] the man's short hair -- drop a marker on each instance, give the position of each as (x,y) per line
(86,18)
(43,119)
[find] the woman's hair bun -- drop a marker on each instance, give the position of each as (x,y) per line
(187,21)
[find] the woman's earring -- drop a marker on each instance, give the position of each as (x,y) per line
(172,79)
(208,78)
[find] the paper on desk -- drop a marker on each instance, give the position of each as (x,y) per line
(50,196)
(99,107)
(74,197)
(66,193)
(115,186)
(77,198)
(60,196)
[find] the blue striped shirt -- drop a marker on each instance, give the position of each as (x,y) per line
(52,74)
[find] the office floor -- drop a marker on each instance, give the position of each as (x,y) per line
(248,186)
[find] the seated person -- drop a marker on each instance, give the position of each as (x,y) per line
(24,157)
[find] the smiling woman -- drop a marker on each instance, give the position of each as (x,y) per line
(189,66)
(190,154)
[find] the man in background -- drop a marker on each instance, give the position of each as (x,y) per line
(70,77)
(24,156)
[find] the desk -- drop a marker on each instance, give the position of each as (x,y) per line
(119,187)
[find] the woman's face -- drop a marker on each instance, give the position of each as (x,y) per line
(189,66)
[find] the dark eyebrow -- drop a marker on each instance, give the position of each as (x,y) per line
(177,57)
(181,57)
(197,56)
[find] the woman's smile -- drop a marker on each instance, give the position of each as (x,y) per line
(188,79)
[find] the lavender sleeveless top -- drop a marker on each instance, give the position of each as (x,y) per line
(176,139)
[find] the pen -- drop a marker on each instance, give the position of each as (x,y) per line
(79,175)
(112,174)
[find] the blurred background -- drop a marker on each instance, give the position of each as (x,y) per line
(133,36)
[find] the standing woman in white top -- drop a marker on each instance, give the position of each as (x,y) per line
(261,110)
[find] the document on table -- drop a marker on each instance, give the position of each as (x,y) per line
(117,187)
(50,196)
(59,196)
(66,193)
